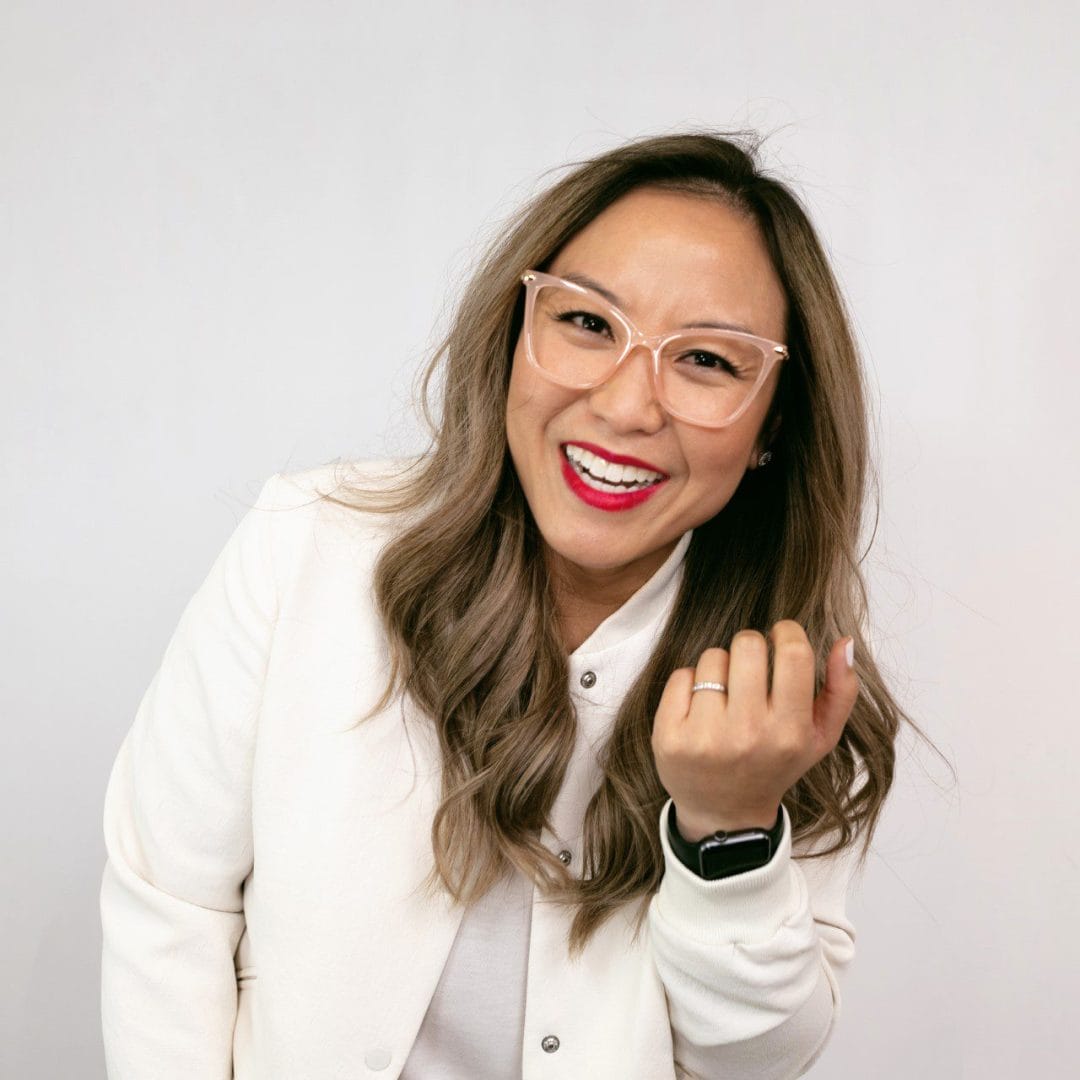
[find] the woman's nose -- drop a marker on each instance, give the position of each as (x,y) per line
(627,398)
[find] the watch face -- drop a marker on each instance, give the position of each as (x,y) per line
(734,854)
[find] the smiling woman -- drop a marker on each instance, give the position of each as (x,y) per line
(669,261)
(562,738)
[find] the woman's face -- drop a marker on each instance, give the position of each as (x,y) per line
(670,260)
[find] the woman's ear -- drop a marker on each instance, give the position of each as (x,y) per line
(766,436)
(774,430)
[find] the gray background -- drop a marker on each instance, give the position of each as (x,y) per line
(231,231)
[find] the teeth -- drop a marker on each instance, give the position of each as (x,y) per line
(605,475)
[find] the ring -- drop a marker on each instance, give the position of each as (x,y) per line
(708,686)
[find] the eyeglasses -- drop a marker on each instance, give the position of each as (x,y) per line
(576,338)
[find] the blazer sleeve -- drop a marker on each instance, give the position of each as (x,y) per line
(178,827)
(752,963)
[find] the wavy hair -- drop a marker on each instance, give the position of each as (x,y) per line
(466,602)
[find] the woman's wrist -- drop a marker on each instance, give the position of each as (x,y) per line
(693,828)
(730,855)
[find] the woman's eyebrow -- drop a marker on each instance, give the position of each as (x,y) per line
(607,294)
(589,283)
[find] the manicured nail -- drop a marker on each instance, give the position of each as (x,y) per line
(849,652)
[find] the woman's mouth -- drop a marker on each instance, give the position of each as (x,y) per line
(603,475)
(604,484)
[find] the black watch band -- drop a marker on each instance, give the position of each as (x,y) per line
(724,854)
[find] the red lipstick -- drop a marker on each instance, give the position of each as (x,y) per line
(608,500)
(617,459)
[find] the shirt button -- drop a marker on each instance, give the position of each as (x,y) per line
(377,1059)
(588,680)
(550,1044)
(565,856)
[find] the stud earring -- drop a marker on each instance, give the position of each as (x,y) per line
(765,458)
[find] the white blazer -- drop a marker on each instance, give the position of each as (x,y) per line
(260,911)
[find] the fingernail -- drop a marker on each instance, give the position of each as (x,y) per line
(849,652)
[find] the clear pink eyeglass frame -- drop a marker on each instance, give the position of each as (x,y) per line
(773,350)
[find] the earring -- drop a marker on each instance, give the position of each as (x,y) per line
(765,458)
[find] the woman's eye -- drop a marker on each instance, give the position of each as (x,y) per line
(709,360)
(586,320)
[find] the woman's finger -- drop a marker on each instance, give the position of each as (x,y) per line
(675,699)
(792,692)
(837,697)
(712,666)
(748,673)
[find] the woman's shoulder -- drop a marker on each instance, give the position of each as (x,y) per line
(344,481)
(351,502)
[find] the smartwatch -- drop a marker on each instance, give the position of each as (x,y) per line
(724,854)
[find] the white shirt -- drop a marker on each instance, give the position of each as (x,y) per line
(473,1027)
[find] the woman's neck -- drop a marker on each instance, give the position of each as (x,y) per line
(584,598)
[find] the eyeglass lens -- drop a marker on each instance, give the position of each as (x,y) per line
(705,376)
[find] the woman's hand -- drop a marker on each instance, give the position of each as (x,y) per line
(726,760)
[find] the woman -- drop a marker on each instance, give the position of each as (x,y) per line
(552,752)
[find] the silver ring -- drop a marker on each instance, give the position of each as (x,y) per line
(708,686)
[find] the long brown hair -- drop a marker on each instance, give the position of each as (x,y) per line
(466,602)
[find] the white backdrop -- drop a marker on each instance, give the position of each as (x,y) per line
(230,230)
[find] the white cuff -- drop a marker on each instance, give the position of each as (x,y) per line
(749,907)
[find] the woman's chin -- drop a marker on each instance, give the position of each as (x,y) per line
(594,555)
